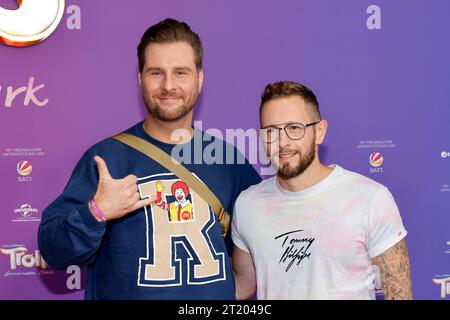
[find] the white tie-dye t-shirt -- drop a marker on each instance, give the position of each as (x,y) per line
(317,243)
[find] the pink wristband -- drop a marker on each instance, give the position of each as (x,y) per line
(98,213)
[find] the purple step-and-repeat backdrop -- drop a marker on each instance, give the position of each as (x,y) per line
(379,68)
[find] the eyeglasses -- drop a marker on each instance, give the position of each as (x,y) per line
(294,131)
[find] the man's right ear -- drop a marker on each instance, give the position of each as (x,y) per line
(201,76)
(139,79)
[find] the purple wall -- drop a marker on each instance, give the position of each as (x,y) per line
(382,90)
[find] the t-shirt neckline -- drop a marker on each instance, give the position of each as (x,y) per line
(313,189)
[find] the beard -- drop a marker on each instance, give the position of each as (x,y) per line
(173,114)
(287,172)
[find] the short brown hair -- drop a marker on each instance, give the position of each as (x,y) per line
(285,89)
(167,31)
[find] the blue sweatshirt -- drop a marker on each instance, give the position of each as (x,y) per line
(170,250)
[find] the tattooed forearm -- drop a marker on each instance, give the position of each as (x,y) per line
(395,272)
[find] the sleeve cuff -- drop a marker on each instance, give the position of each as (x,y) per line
(387,244)
(238,243)
(88,219)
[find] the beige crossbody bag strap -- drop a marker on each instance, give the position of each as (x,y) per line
(179,170)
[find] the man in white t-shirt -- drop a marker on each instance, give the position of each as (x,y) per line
(314,231)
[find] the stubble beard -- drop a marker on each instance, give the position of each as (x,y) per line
(287,172)
(170,115)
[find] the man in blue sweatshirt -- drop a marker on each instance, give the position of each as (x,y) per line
(141,231)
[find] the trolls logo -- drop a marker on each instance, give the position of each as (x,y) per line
(17,257)
(445,285)
(31,23)
(22,264)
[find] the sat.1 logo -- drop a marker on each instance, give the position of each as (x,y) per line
(24,169)
(376,160)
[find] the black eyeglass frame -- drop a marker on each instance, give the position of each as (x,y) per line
(272,126)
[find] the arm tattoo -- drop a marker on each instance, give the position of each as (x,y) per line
(395,272)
